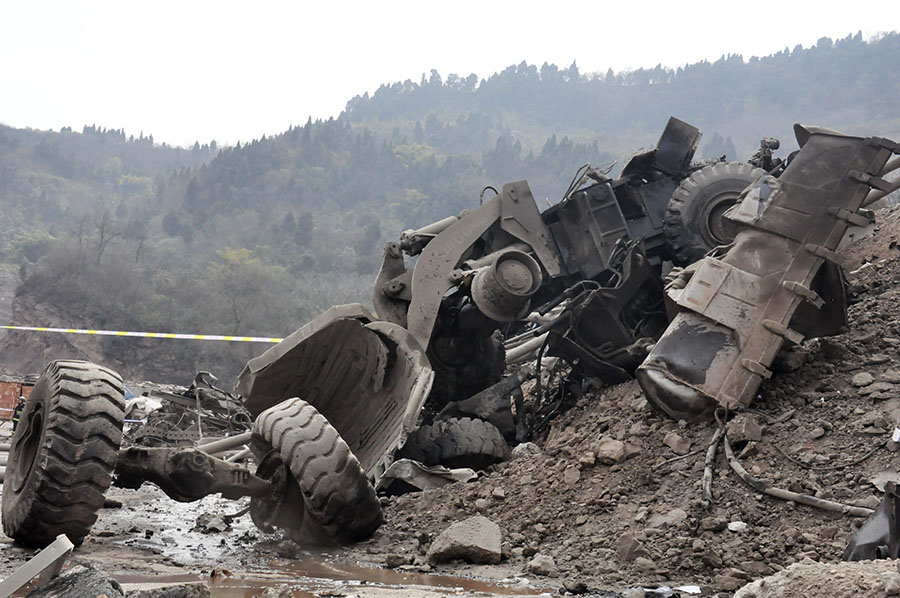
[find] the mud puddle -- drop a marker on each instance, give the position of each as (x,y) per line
(308,578)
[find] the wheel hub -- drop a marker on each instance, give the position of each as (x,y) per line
(715,228)
(283,507)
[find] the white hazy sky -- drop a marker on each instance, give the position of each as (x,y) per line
(232,71)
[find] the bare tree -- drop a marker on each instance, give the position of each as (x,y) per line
(107,230)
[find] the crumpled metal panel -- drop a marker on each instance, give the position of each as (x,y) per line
(736,310)
(368,378)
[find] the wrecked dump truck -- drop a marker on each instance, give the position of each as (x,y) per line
(335,401)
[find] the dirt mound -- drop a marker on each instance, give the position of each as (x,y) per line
(614,497)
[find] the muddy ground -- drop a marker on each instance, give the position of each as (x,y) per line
(825,420)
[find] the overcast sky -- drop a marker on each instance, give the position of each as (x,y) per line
(232,71)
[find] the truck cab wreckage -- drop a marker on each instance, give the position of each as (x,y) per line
(334,404)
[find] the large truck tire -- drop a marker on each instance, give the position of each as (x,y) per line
(693,223)
(462,442)
(63,453)
(338,501)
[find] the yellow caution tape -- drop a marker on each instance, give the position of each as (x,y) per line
(173,335)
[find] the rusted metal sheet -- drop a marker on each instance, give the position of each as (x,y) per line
(737,310)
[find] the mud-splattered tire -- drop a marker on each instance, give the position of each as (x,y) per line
(462,369)
(694,223)
(462,442)
(339,504)
(63,453)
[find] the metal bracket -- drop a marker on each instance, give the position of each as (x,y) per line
(805,292)
(783,331)
(47,563)
(887,144)
(870,180)
(854,218)
(824,253)
(755,367)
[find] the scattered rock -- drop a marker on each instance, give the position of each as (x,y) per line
(790,361)
(679,445)
(744,428)
(880,388)
(575,587)
(713,524)
(817,433)
(398,560)
(197,589)
(674,518)
(631,451)
(543,564)
(81,581)
(862,379)
(737,526)
(728,583)
(288,549)
(212,523)
(571,475)
(526,449)
(474,540)
(629,548)
(644,565)
(282,591)
(640,428)
(610,451)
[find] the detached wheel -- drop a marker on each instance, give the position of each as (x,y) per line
(694,222)
(63,453)
(331,500)
(464,367)
(462,442)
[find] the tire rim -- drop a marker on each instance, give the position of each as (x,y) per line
(28,446)
(714,227)
(284,506)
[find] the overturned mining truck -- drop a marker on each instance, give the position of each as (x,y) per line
(335,401)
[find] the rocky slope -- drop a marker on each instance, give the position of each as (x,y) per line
(613,496)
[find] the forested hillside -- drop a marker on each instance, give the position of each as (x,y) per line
(116,232)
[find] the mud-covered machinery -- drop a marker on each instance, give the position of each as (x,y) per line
(336,399)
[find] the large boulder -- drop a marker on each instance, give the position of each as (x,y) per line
(474,540)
